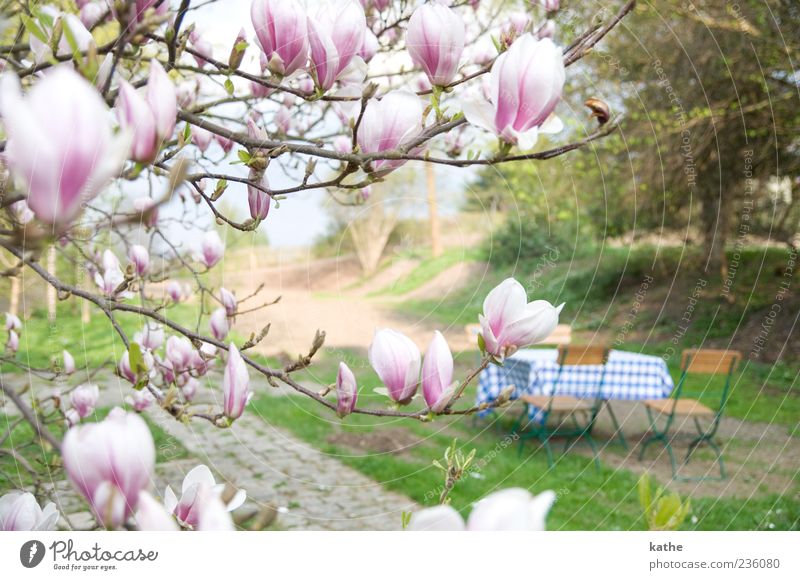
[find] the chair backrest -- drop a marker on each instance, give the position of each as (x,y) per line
(710,361)
(577,355)
(562,334)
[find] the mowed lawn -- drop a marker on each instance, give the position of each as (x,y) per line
(399,454)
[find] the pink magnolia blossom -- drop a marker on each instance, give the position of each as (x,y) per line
(12,344)
(509,322)
(225,144)
(370,46)
(203,48)
(151,116)
(212,249)
(437,374)
(235,384)
(191,503)
(140,258)
(110,462)
(396,359)
(152,516)
(150,337)
(550,5)
(142,6)
(180,352)
(124,366)
(388,124)
(13,322)
(513,509)
(92,12)
(61,149)
(435,41)
(336,35)
(20,512)
(84,399)
(141,400)
(346,391)
(282,34)
(202,138)
(22,213)
(189,388)
(218,322)
(527,81)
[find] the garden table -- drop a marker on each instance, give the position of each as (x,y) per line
(628,376)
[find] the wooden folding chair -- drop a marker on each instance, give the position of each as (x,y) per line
(694,362)
(582,412)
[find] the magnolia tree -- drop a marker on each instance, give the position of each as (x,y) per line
(121,122)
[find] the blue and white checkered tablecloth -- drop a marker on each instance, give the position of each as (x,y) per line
(628,376)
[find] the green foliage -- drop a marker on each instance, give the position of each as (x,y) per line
(662,511)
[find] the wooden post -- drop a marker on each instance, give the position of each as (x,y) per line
(436,242)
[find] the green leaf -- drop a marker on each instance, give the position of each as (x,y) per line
(229,86)
(405,518)
(244,156)
(481,344)
(33,28)
(135,358)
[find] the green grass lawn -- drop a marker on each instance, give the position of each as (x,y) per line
(427,270)
(587,500)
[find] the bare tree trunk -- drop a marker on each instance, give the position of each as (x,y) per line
(13,306)
(370,235)
(714,216)
(436,242)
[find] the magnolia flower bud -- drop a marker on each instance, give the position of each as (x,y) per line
(396,359)
(258,200)
(189,388)
(135,116)
(140,258)
(218,322)
(346,391)
(281,32)
(59,171)
(435,41)
(509,322)
(174,291)
(437,374)
(336,35)
(69,363)
(235,384)
(212,249)
(84,399)
(228,301)
(20,512)
(110,462)
(238,50)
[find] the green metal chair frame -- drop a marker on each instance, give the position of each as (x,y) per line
(700,361)
(525,430)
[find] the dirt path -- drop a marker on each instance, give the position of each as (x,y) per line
(330,295)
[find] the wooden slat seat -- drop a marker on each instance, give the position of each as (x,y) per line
(682,407)
(561,403)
